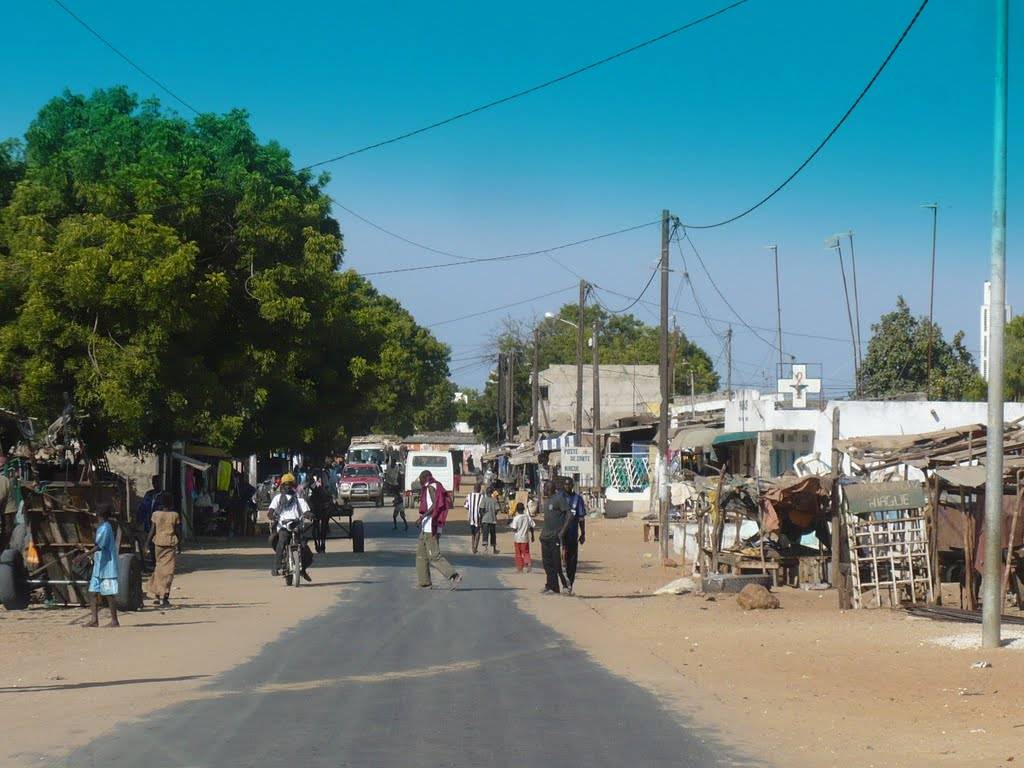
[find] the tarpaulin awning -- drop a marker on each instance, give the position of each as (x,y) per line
(525,455)
(797,502)
(734,437)
(188,461)
(564,440)
(698,437)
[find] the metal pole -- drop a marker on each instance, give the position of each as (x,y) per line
(856,299)
(579,363)
(778,304)
(597,415)
(512,395)
(665,393)
(931,294)
(693,398)
(992,600)
(849,316)
(535,394)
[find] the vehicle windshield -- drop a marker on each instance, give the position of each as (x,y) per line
(366,455)
(360,472)
(430,461)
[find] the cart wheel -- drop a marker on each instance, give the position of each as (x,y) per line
(358,535)
(129,582)
(14,592)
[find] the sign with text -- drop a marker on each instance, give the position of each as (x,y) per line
(578,461)
(883,497)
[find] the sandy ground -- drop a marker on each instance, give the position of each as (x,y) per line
(67,678)
(806,685)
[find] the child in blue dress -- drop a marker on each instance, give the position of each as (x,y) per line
(104,569)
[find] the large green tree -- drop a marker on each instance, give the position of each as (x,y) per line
(896,362)
(180,279)
(622,340)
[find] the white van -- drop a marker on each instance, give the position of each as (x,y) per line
(439,463)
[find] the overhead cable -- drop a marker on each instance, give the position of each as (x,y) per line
(125,57)
(828,136)
(503,306)
(531,89)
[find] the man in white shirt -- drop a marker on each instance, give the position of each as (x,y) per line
(433,513)
(474,501)
(287,506)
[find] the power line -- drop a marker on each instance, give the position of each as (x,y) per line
(531,89)
(828,136)
(722,295)
(521,255)
(125,57)
(693,290)
(498,309)
(395,235)
(634,302)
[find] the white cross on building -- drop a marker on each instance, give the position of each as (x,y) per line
(799,385)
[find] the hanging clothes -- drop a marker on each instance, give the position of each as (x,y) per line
(223,475)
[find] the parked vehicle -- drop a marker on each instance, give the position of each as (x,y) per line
(383,451)
(440,464)
(362,482)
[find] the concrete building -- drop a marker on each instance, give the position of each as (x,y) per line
(626,390)
(986,314)
(765,437)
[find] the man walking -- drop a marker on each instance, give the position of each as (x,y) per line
(556,522)
(474,501)
(433,513)
(576,533)
(489,522)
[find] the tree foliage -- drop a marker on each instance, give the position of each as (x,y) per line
(622,340)
(180,280)
(896,362)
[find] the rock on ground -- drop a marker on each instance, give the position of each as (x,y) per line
(755,596)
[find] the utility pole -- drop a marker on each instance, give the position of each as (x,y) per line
(511,395)
(501,395)
(837,246)
(535,387)
(728,362)
(662,485)
(778,305)
(597,415)
(931,293)
(693,398)
(856,302)
(579,363)
(991,585)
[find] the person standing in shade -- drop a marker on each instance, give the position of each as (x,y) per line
(556,521)
(522,534)
(104,569)
(164,534)
(576,533)
(489,522)
(474,501)
(433,513)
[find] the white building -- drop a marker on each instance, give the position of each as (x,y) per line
(626,390)
(766,436)
(986,313)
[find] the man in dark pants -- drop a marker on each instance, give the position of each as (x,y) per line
(556,522)
(576,533)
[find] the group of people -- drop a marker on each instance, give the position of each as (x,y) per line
(563,531)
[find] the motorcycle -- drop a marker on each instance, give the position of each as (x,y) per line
(297,556)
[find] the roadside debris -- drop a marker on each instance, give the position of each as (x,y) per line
(754,596)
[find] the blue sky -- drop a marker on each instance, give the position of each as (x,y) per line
(703,124)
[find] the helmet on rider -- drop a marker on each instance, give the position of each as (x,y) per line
(287,479)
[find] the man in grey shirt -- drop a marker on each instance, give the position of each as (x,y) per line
(489,522)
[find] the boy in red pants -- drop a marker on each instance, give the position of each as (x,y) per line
(522,534)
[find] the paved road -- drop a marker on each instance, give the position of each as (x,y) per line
(396,676)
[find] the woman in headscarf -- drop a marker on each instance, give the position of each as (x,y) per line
(164,532)
(104,569)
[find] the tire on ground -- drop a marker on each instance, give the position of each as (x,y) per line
(14,591)
(129,582)
(358,536)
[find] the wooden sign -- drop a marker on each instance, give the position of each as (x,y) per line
(863,498)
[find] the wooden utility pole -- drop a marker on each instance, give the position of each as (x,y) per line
(728,363)
(511,395)
(838,529)
(501,396)
(661,483)
(579,363)
(535,388)
(597,414)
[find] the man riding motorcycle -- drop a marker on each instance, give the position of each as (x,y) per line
(286,507)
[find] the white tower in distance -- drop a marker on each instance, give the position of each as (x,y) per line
(986,313)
